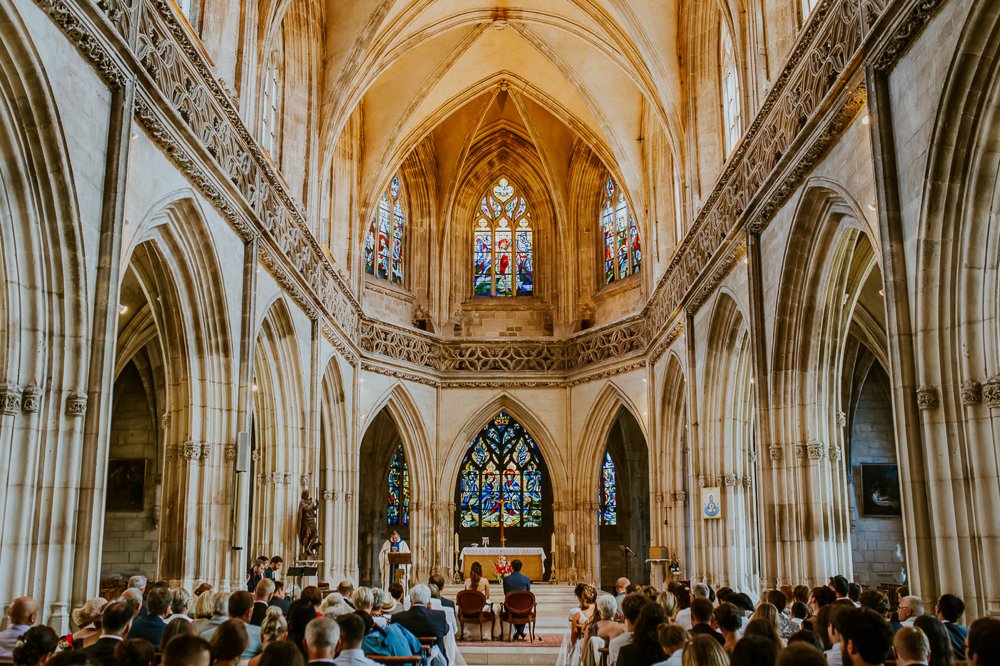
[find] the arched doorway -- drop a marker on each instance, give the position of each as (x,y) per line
(384,493)
(503,473)
(623,496)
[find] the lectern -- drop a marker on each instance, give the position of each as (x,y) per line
(396,561)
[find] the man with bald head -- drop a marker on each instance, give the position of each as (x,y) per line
(23,613)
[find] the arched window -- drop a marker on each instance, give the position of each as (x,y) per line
(807,7)
(274,91)
(384,243)
(503,252)
(398,505)
(502,455)
(622,248)
(732,125)
(609,491)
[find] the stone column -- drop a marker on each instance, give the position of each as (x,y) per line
(84,577)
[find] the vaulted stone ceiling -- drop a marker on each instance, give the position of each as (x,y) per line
(552,71)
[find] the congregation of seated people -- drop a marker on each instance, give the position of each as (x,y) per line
(833,625)
(838,624)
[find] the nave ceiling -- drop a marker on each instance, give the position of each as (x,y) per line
(554,71)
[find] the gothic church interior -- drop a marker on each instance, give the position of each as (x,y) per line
(710,281)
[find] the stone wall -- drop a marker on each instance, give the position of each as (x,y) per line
(876,541)
(130,538)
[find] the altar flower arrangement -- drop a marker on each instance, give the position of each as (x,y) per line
(502,567)
(674,566)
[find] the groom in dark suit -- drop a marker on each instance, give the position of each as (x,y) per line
(420,620)
(516,582)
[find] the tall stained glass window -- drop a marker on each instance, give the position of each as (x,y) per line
(502,459)
(732,126)
(609,491)
(384,243)
(503,248)
(622,247)
(398,502)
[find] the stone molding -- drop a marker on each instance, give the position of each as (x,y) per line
(10,399)
(191,115)
(76,404)
(679,496)
(31,399)
(811,450)
(328,495)
(188,452)
(927,398)
(230,452)
(775,453)
(991,391)
(971,392)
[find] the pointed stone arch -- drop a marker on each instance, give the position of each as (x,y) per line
(173,264)
(398,408)
(669,467)
(333,482)
(45,309)
(283,461)
(955,335)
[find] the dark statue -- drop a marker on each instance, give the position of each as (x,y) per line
(309,526)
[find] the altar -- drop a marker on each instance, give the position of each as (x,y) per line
(533,560)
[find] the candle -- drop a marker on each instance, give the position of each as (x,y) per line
(572,542)
(456,542)
(553,549)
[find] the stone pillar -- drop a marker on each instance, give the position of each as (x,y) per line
(84,577)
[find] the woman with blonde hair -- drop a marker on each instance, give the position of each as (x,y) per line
(703,650)
(669,603)
(273,628)
(204,609)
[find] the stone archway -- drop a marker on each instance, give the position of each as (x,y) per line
(383,453)
(627,526)
(504,460)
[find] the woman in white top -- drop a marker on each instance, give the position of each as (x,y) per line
(476,582)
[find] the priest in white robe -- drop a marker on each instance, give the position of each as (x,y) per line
(394,544)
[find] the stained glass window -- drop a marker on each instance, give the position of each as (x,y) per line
(503,249)
(502,461)
(398,505)
(273,92)
(609,491)
(732,126)
(622,247)
(383,252)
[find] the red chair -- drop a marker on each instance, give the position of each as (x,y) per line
(472,605)
(519,609)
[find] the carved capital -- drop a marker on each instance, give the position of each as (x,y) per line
(811,450)
(31,400)
(841,418)
(328,496)
(730,480)
(230,452)
(679,496)
(10,399)
(189,452)
(306,480)
(835,453)
(164,420)
(927,398)
(972,392)
(774,452)
(702,481)
(76,404)
(991,391)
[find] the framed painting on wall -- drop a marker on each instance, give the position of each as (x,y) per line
(126,484)
(711,503)
(880,489)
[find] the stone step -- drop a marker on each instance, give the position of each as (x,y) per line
(509,656)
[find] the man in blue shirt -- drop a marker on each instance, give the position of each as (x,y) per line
(516,582)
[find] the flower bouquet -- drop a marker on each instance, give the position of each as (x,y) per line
(502,567)
(674,566)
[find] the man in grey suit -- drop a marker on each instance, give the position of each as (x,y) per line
(516,582)
(352,633)
(322,636)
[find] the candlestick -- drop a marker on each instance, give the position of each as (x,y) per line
(553,549)
(456,542)
(572,542)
